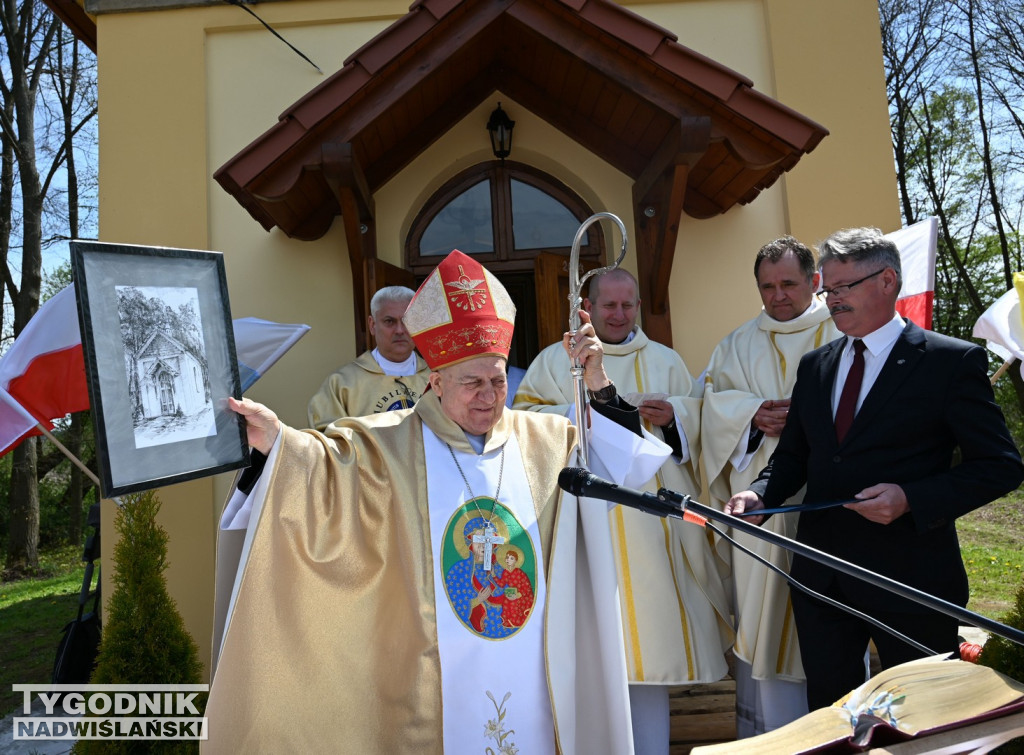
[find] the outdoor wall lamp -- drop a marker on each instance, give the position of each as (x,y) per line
(500,127)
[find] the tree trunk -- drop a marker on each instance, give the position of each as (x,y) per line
(28,32)
(23,535)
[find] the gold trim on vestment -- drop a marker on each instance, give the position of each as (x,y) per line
(627,589)
(690,670)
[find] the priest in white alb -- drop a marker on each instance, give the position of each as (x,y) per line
(674,603)
(746,397)
(415,581)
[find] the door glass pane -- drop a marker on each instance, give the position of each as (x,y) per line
(463,224)
(539,221)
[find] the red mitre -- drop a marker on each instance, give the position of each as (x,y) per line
(460,312)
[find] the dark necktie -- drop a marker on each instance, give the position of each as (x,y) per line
(851,390)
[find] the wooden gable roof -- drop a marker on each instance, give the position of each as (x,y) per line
(619,85)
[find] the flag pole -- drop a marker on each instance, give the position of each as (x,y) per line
(78,462)
(1002,368)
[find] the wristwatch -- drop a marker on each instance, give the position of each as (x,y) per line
(604,395)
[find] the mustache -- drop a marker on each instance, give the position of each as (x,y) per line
(840,308)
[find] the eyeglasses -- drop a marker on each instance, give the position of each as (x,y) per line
(844,289)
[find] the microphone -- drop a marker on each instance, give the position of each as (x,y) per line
(579,481)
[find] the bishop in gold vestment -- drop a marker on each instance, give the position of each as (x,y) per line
(343,634)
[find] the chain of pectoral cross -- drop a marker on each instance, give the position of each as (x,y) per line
(490,538)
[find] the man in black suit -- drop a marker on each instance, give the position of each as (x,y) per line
(887,446)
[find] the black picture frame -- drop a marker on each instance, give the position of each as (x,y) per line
(160,361)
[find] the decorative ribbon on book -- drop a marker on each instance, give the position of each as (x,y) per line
(797,508)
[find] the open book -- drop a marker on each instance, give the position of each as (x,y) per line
(911,700)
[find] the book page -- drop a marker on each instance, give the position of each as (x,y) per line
(930,692)
(911,698)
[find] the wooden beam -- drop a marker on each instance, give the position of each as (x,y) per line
(754,154)
(348,184)
(628,155)
(345,176)
(665,254)
(629,68)
(685,145)
(649,213)
(657,223)
(659,195)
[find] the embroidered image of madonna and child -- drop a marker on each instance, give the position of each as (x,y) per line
(490,569)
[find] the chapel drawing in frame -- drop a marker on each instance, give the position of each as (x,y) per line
(160,361)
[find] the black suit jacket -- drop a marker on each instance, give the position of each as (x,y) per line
(932,396)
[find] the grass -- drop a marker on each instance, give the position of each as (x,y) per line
(992,545)
(32,614)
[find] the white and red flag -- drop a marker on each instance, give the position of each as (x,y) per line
(42,375)
(917,244)
(1002,324)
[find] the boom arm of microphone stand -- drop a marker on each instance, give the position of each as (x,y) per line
(662,507)
(671,497)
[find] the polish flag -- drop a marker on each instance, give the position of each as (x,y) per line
(1002,324)
(917,245)
(42,375)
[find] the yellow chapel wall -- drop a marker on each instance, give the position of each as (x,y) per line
(182,91)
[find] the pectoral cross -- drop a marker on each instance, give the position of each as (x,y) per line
(489,539)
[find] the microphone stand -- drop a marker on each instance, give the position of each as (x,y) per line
(677,505)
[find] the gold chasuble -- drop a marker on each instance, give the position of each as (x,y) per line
(675,612)
(754,363)
(332,637)
(361,387)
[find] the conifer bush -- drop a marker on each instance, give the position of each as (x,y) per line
(1007,658)
(144,637)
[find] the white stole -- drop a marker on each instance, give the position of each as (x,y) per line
(472,665)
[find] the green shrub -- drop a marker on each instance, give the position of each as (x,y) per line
(1003,655)
(1007,658)
(144,636)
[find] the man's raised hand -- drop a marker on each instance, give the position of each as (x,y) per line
(587,347)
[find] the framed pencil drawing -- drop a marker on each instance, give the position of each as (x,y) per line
(160,362)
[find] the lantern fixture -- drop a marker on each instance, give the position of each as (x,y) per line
(500,127)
